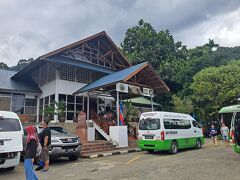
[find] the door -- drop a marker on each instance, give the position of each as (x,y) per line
(237,128)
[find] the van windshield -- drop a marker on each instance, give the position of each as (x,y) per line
(149,124)
(8,124)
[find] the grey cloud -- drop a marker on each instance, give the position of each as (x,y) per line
(31,28)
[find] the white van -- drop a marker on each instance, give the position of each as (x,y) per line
(11,135)
(168,131)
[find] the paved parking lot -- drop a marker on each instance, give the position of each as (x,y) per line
(207,163)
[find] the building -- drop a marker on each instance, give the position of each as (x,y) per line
(82,76)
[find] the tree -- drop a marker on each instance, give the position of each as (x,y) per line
(22,63)
(143,43)
(215,87)
(3,65)
(182,105)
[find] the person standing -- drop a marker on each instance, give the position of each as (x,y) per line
(46,143)
(225,134)
(213,134)
(31,152)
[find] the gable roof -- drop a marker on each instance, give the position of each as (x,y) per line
(100,34)
(120,76)
(52,55)
(6,83)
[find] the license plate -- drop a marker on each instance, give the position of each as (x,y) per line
(1,143)
(148,137)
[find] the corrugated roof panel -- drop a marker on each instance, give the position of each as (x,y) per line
(79,63)
(6,83)
(111,78)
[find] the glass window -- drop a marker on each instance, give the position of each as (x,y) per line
(52,98)
(70,115)
(78,107)
(62,98)
(79,99)
(31,102)
(70,107)
(149,124)
(18,103)
(7,124)
(195,124)
(46,100)
(176,124)
(70,99)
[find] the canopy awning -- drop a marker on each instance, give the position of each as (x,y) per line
(141,74)
(230,109)
(141,100)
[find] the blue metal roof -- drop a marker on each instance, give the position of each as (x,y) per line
(6,83)
(79,63)
(111,78)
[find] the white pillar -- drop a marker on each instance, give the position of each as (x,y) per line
(38,104)
(117,106)
(88,106)
(152,103)
(55,107)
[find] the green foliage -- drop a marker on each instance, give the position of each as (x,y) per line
(143,43)
(61,108)
(131,112)
(22,64)
(3,65)
(48,112)
(182,105)
(215,87)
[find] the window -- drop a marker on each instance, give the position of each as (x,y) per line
(176,124)
(7,124)
(31,106)
(149,124)
(195,124)
(18,103)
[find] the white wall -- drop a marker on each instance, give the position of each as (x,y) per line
(48,89)
(68,87)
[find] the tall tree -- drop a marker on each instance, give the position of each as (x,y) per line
(3,65)
(143,43)
(215,87)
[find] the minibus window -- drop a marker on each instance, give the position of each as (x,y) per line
(8,124)
(149,124)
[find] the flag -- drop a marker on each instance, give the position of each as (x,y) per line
(121,118)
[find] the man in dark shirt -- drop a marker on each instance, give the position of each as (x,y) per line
(45,141)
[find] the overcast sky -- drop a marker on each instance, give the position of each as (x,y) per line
(30,28)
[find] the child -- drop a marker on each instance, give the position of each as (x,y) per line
(213,134)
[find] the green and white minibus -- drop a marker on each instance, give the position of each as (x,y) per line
(168,131)
(235,124)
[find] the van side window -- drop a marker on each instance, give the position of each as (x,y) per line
(8,124)
(195,124)
(177,123)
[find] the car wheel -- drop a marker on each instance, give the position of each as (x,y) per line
(73,158)
(150,151)
(198,144)
(174,148)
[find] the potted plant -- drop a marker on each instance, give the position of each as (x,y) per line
(48,113)
(61,109)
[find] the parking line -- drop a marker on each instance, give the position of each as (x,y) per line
(134,159)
